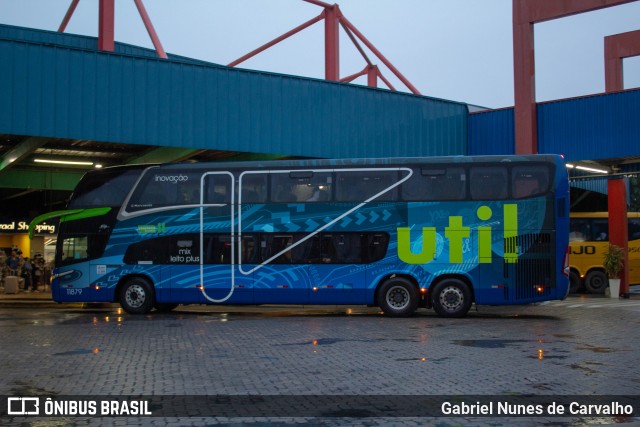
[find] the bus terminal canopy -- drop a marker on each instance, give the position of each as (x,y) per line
(57,86)
(597,185)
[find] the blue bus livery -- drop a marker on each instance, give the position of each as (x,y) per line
(440,233)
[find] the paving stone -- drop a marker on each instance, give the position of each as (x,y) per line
(553,349)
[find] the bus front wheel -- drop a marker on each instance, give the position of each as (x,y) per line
(596,281)
(451,298)
(136,296)
(575,283)
(398,297)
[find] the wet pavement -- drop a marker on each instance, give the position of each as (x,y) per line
(293,358)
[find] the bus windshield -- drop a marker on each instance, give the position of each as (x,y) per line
(107,187)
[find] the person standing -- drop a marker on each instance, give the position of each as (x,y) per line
(13,264)
(27,274)
(38,272)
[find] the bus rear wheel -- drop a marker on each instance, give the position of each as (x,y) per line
(136,296)
(451,298)
(596,281)
(398,297)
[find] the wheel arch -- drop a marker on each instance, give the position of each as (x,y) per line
(594,268)
(125,279)
(577,271)
(383,279)
(462,277)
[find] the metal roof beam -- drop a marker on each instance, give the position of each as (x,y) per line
(21,151)
(44,179)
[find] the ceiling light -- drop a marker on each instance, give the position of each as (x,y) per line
(64,162)
(584,168)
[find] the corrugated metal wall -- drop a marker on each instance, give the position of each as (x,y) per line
(588,128)
(57,90)
(594,127)
(53,38)
(491,132)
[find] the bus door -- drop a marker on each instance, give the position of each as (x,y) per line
(219,278)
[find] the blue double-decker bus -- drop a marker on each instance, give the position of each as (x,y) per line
(403,233)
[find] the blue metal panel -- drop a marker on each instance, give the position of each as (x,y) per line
(57,90)
(80,42)
(594,127)
(492,132)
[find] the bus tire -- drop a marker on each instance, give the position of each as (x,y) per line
(136,296)
(575,283)
(451,298)
(164,307)
(398,297)
(596,282)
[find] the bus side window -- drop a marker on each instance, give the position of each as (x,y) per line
(444,184)
(488,182)
(273,244)
(529,181)
(155,250)
(254,188)
(161,187)
(249,249)
(579,230)
(360,186)
(282,188)
(600,229)
(216,189)
(378,243)
(346,248)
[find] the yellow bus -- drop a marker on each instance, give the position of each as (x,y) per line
(588,240)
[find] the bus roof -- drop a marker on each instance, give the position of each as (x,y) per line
(450,160)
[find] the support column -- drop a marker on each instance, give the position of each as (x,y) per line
(616,48)
(525,14)
(106,25)
(526,129)
(619,226)
(331,43)
(372,76)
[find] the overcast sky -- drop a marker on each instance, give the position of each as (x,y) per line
(459,50)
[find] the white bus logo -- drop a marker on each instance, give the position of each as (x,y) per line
(174,179)
(23,406)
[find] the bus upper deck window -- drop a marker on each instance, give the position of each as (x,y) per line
(529,181)
(356,186)
(489,183)
(435,183)
(254,188)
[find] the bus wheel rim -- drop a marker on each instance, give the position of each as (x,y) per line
(135,296)
(398,297)
(451,298)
